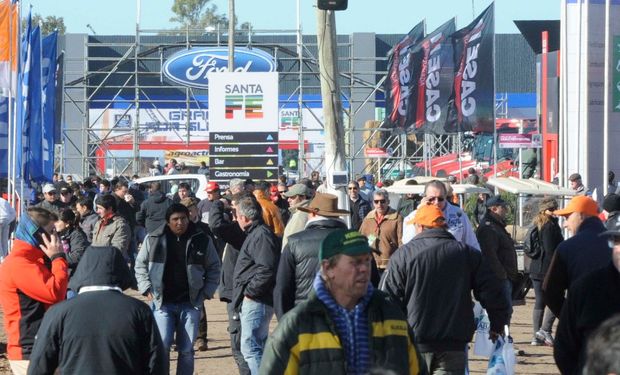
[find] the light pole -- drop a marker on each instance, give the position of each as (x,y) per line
(231,35)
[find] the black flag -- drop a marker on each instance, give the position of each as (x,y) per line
(433,61)
(473,102)
(399,79)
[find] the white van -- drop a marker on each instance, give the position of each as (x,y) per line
(197,183)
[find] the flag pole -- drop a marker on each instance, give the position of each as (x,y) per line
(10,108)
(494,106)
(606,98)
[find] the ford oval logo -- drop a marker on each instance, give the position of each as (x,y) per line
(190,67)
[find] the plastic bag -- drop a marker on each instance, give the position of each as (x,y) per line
(483,346)
(503,360)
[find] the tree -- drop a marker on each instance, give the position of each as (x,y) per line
(199,14)
(49,24)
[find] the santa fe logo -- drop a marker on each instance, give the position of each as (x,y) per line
(244,101)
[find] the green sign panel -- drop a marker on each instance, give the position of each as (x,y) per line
(615,66)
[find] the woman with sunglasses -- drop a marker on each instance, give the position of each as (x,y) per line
(549,237)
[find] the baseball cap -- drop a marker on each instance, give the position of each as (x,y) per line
(429,215)
(574,177)
(344,241)
(212,186)
(496,201)
(297,189)
(581,204)
(48,188)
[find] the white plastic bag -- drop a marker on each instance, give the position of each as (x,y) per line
(483,346)
(503,360)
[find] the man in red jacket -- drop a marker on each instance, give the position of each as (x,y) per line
(32,278)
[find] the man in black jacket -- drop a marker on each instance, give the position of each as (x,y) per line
(299,260)
(224,226)
(578,255)
(88,335)
(254,279)
(359,206)
(591,300)
(497,245)
(432,277)
(152,214)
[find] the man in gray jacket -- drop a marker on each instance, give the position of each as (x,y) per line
(177,269)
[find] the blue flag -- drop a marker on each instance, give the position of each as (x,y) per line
(33,127)
(22,97)
(48,63)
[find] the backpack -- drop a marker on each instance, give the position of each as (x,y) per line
(531,244)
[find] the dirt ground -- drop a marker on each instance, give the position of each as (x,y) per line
(218,359)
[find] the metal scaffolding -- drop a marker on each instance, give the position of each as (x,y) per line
(128,77)
(126,71)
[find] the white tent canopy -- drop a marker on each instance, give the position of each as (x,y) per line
(530,186)
(419,189)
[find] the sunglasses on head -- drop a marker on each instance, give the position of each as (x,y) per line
(438,199)
(379,201)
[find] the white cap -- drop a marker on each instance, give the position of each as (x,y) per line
(156,162)
(48,188)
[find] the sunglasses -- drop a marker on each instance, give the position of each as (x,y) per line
(438,199)
(353,188)
(379,201)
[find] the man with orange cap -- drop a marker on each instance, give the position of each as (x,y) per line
(432,277)
(586,251)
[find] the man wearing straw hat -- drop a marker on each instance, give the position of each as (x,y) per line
(299,260)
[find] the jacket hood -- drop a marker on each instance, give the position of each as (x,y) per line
(158,196)
(101,265)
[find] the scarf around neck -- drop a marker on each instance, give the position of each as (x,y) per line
(352,326)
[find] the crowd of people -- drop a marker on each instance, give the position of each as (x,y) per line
(373,288)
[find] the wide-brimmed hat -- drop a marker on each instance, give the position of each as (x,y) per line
(324,204)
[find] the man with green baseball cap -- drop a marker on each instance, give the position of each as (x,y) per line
(345,326)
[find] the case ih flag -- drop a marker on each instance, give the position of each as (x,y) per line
(399,82)
(433,62)
(472,105)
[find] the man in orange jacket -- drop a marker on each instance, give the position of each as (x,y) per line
(32,278)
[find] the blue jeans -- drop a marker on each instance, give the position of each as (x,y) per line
(255,318)
(182,319)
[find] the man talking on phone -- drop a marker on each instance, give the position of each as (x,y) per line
(32,278)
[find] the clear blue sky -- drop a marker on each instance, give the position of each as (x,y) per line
(386,16)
